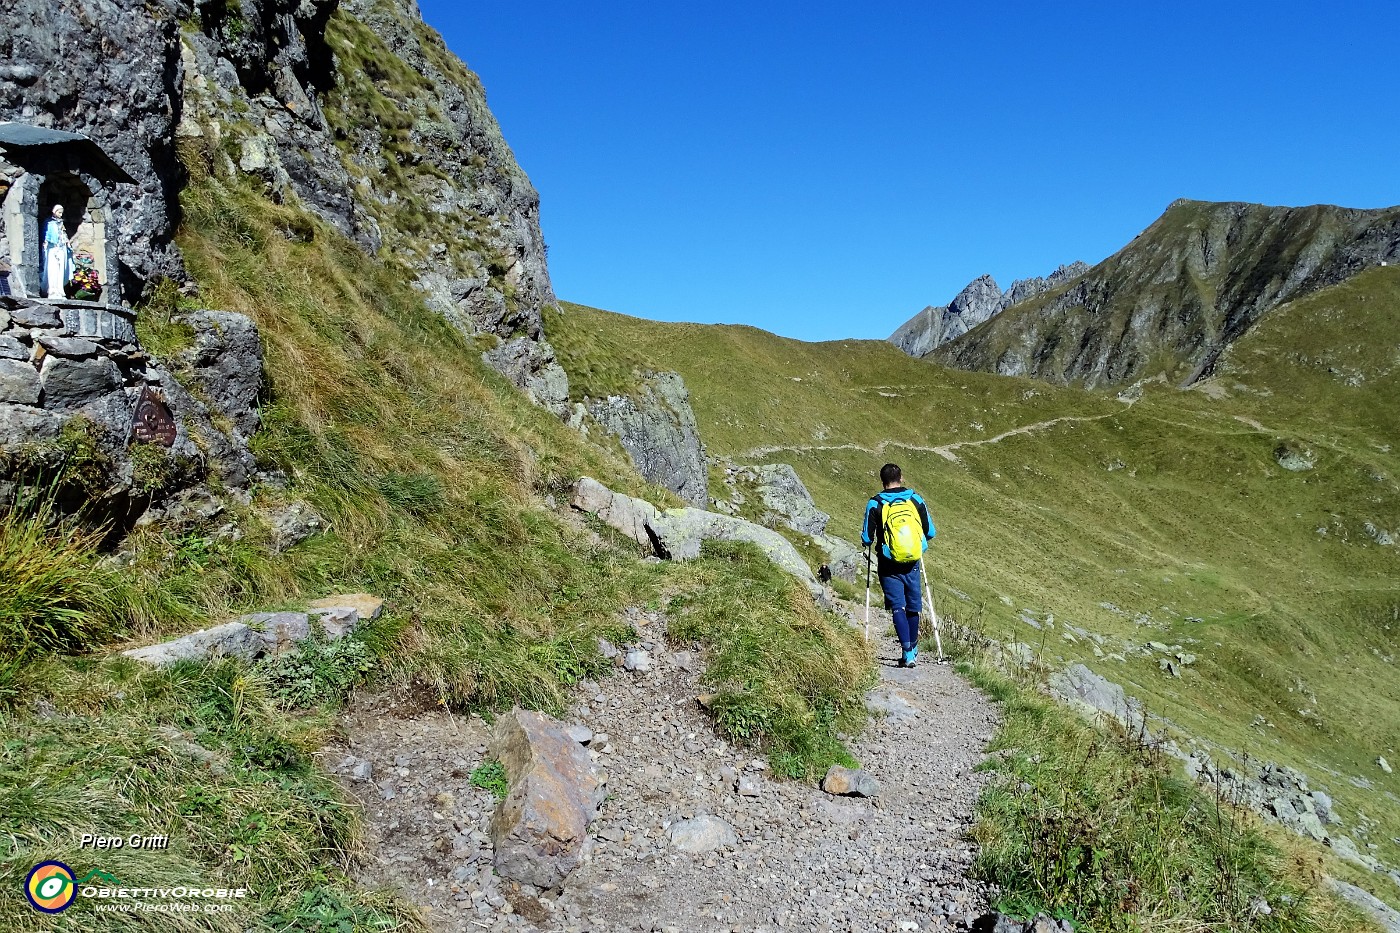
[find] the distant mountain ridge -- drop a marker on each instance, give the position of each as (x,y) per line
(1175,297)
(980,301)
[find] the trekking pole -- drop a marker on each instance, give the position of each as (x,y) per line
(928,597)
(867,593)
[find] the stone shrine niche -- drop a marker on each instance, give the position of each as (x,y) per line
(39,169)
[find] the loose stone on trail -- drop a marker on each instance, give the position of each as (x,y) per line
(702,834)
(850,782)
(541,827)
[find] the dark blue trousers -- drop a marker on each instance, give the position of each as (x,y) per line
(904,600)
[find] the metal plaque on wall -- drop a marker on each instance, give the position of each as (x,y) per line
(153,423)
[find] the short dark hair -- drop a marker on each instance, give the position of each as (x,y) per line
(891,473)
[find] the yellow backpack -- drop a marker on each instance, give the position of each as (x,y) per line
(904,530)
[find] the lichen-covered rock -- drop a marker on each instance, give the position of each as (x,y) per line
(366,605)
(225,365)
(232,639)
(657,429)
(19,383)
(251,636)
(635,518)
(530,364)
(1092,695)
(540,829)
(72,383)
(783,491)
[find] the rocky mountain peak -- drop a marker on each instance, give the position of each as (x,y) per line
(978,299)
(981,300)
(1183,290)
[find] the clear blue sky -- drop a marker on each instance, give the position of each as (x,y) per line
(825,170)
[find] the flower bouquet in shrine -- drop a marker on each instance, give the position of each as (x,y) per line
(84,285)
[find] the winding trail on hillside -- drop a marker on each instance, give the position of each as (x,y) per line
(803,860)
(943,450)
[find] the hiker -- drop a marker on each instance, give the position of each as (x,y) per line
(824,574)
(897,524)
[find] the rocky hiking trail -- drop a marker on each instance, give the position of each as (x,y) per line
(943,450)
(695,834)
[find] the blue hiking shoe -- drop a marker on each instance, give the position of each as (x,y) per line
(910,658)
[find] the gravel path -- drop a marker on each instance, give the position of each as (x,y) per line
(802,861)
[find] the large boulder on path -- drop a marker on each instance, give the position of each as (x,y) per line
(540,829)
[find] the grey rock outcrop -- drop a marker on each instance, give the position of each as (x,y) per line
(658,431)
(980,301)
(540,829)
(1276,792)
(83,384)
(232,639)
(777,495)
(1091,695)
(677,534)
(783,492)
(1385,916)
(1179,294)
(251,636)
(224,366)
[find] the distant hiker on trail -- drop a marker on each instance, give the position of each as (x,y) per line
(824,574)
(897,524)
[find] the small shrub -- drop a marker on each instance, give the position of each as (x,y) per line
(152,467)
(491,775)
(320,671)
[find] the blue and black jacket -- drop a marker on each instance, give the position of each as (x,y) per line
(873,531)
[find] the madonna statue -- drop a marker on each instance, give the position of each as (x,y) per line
(58,256)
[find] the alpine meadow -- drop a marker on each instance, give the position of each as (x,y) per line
(352,581)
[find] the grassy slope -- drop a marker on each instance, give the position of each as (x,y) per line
(1199,522)
(432,473)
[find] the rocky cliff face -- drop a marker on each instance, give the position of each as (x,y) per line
(352,110)
(1181,292)
(111,71)
(980,301)
(657,429)
(362,114)
(355,109)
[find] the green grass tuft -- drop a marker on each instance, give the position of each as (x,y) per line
(54,597)
(787,676)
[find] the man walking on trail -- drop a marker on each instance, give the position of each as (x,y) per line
(898,527)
